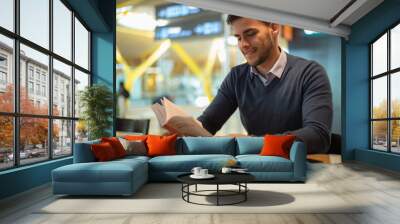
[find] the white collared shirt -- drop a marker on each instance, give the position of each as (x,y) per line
(276,70)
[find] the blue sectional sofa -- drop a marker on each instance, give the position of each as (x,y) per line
(125,176)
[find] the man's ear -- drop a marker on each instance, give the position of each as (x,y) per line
(275,29)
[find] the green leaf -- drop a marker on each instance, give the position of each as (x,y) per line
(96,102)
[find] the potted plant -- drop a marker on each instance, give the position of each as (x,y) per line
(96,103)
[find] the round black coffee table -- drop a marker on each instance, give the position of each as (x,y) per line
(238,179)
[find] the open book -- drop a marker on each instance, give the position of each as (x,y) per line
(175,120)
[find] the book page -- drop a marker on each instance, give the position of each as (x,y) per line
(172,110)
(187,126)
(159,111)
(176,120)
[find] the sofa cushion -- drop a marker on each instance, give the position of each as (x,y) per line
(185,163)
(131,158)
(93,172)
(116,145)
(206,145)
(112,171)
(103,151)
(277,145)
(249,145)
(257,163)
(136,137)
(161,145)
(134,147)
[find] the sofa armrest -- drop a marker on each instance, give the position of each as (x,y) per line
(83,152)
(298,155)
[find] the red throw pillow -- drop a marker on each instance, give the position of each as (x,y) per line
(103,151)
(116,145)
(136,137)
(161,145)
(277,145)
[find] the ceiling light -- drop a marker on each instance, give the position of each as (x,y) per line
(161,22)
(310,32)
(140,21)
(124,10)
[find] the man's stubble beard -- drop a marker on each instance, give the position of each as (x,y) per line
(265,52)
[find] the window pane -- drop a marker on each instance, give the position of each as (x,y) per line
(6,142)
(7,14)
(379,97)
(34,72)
(62,89)
(379,135)
(395,136)
(395,47)
(81,81)
(6,74)
(379,55)
(35,21)
(33,139)
(81,131)
(62,29)
(81,45)
(395,94)
(62,138)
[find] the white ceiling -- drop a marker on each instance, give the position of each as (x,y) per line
(321,9)
(316,15)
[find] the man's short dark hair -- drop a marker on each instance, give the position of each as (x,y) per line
(231,18)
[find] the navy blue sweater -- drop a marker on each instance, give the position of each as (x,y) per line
(300,103)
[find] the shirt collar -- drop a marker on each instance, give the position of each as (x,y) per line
(277,69)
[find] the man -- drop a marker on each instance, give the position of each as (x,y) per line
(123,100)
(276,93)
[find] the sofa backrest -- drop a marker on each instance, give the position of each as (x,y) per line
(249,145)
(83,153)
(190,146)
(206,145)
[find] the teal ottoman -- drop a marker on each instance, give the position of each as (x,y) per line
(118,177)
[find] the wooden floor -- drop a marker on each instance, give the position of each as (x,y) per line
(377,188)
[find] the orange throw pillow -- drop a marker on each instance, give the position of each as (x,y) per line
(116,145)
(103,152)
(277,145)
(161,145)
(136,137)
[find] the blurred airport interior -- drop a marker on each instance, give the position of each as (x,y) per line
(181,52)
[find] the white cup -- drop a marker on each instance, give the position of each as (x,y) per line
(226,170)
(196,170)
(203,172)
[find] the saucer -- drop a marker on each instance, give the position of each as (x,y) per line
(240,171)
(208,176)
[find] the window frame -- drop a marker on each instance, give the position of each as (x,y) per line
(3,74)
(16,114)
(3,71)
(5,58)
(388,74)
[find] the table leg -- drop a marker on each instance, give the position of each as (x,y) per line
(182,189)
(188,189)
(217,194)
(245,191)
(196,188)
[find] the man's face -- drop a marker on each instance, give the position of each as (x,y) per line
(255,39)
